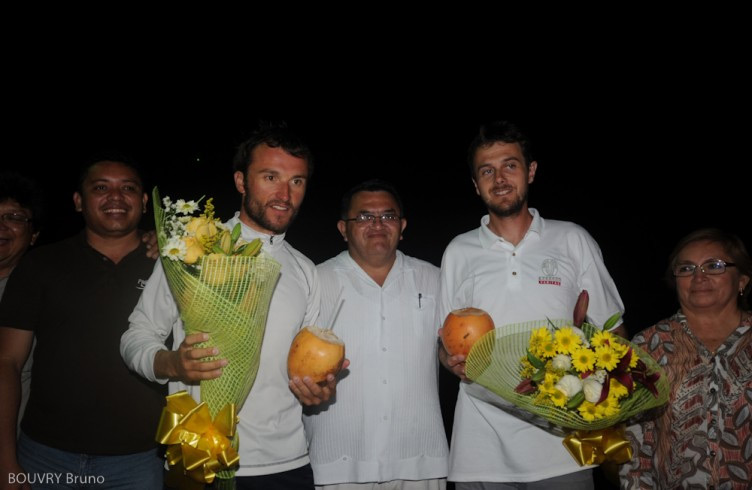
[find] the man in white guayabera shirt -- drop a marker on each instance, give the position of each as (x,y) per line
(385,429)
(271,173)
(518,267)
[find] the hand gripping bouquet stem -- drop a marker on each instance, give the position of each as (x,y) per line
(574,381)
(222,287)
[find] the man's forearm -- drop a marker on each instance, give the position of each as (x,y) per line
(621,331)
(164,364)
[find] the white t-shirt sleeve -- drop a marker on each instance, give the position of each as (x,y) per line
(151,322)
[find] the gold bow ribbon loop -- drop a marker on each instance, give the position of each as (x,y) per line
(199,447)
(598,446)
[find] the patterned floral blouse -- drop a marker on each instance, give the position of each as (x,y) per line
(701,438)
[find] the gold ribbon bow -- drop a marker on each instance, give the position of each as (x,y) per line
(598,446)
(198,446)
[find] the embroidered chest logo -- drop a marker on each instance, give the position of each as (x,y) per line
(549,268)
(141,284)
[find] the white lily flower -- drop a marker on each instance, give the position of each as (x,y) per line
(570,385)
(561,362)
(592,389)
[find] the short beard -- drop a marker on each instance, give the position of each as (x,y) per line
(510,210)
(255,210)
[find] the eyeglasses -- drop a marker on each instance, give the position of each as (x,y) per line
(712,267)
(15,219)
(371,218)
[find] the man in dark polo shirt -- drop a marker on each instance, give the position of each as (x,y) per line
(89,419)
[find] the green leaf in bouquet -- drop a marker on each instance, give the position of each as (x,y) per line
(235,234)
(539,375)
(611,322)
(537,363)
(250,249)
(576,401)
(555,326)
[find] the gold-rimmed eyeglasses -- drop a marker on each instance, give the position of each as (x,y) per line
(712,267)
(15,219)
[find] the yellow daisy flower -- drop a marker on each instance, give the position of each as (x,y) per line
(548,350)
(617,389)
(567,341)
(533,346)
(619,348)
(559,398)
(542,334)
(606,357)
(538,338)
(583,360)
(601,338)
(588,411)
(548,385)
(633,360)
(610,406)
(600,410)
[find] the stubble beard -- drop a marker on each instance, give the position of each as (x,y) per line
(505,211)
(256,211)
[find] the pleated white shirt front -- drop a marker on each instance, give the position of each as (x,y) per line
(385,423)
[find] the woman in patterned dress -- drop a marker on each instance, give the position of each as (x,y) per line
(702,437)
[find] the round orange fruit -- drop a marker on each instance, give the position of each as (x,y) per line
(315,352)
(462,328)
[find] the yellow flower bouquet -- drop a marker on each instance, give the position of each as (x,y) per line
(562,377)
(222,286)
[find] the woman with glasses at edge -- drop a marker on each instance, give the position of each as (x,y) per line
(702,437)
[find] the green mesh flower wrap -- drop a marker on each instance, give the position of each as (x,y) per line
(494,363)
(228,297)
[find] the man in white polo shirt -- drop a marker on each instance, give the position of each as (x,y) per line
(385,429)
(518,267)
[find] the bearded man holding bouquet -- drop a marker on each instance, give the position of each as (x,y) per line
(517,267)
(272,169)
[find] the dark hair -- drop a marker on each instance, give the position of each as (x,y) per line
(108,156)
(26,192)
(731,244)
(274,135)
(372,185)
(498,132)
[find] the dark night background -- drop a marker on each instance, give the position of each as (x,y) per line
(638,147)
(637,172)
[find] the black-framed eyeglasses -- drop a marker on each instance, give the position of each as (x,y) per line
(371,218)
(712,267)
(16,219)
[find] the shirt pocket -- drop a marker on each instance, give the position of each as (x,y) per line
(424,313)
(424,331)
